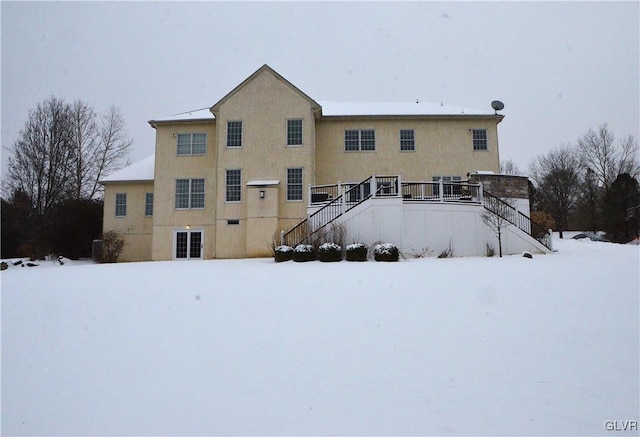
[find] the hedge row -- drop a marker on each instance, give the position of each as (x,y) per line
(331,252)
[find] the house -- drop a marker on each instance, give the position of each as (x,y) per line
(226,181)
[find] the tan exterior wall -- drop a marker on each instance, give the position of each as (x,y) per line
(170,166)
(135,227)
(443,147)
(263,105)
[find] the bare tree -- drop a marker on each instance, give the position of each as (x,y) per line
(628,157)
(495,216)
(41,155)
(599,152)
(64,150)
(510,168)
(84,143)
(557,178)
(113,147)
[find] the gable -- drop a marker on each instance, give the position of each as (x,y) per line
(262,82)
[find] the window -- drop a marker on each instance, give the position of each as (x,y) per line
(359,140)
(407,140)
(148,204)
(234,185)
(234,134)
(121,204)
(189,193)
(449,189)
(294,132)
(192,144)
(294,184)
(479,139)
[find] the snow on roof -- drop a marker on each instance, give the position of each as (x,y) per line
(142,170)
(262,183)
(197,114)
(396,108)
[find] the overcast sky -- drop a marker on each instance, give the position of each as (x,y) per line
(559,67)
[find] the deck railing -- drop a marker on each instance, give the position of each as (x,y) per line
(336,199)
(442,191)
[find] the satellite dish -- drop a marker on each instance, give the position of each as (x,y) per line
(497,105)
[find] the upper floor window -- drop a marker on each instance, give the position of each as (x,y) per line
(234,134)
(234,185)
(192,144)
(148,204)
(360,140)
(479,139)
(407,140)
(294,184)
(189,193)
(294,132)
(121,204)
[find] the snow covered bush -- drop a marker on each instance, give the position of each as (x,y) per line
(357,252)
(386,252)
(303,253)
(330,252)
(283,253)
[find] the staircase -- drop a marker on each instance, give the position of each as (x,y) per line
(523,222)
(352,197)
(349,196)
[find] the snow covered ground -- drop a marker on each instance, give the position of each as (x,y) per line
(463,346)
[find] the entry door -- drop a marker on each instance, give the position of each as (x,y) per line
(188,244)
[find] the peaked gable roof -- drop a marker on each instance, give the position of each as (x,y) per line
(259,71)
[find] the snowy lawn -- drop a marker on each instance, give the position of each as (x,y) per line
(464,346)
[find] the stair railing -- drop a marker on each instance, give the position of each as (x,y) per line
(509,213)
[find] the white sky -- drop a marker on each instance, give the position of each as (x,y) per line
(559,67)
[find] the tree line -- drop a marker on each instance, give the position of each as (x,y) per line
(589,185)
(51,196)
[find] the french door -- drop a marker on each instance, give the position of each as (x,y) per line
(188,244)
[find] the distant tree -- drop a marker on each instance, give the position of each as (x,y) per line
(510,168)
(557,179)
(39,164)
(99,146)
(588,213)
(599,152)
(64,150)
(623,194)
(72,225)
(17,226)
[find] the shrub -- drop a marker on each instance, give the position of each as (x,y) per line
(490,250)
(283,253)
(541,223)
(446,253)
(303,253)
(357,252)
(112,245)
(330,252)
(386,252)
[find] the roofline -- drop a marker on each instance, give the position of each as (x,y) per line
(126,181)
(153,123)
(265,67)
(497,117)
